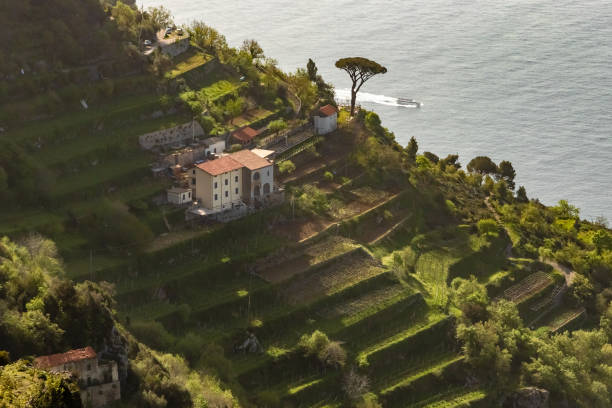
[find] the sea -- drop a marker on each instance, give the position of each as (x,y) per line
(528,81)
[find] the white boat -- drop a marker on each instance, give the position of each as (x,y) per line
(408,102)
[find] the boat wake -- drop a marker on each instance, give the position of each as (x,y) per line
(344,96)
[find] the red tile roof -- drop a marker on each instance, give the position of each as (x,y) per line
(328,110)
(244,135)
(71,356)
(250,160)
(219,166)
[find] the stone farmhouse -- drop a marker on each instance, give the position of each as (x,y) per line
(235,180)
(97,379)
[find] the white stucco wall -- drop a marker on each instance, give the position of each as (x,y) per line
(325,124)
(226,188)
(179,198)
(216,148)
(266,176)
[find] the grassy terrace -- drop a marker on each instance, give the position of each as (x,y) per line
(220,88)
(116,110)
(104,173)
(250,117)
(187,62)
(455,398)
(122,137)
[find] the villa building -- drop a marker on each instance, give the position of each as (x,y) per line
(97,379)
(232,181)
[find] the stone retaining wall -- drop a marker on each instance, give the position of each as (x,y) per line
(174,135)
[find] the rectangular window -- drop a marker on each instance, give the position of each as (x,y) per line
(236,191)
(216,197)
(226,180)
(268,172)
(215,149)
(193,171)
(236,179)
(193,182)
(226,193)
(215,184)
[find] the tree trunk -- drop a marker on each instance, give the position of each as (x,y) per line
(353,98)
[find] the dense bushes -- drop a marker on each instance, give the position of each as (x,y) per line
(42,313)
(22,385)
(112,225)
(317,344)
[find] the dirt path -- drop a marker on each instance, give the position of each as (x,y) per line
(568,273)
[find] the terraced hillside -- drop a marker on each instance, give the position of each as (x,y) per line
(364,257)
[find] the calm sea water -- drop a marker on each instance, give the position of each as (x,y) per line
(528,81)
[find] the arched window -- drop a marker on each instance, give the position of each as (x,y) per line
(256,175)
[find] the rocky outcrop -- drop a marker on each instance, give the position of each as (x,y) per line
(116,349)
(528,397)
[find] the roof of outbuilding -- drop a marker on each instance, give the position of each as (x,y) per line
(219,166)
(250,160)
(328,110)
(71,356)
(179,190)
(246,134)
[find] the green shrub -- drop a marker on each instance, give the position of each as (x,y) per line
(152,333)
(314,343)
(208,123)
(268,399)
(487,226)
(277,125)
(312,200)
(329,176)
(112,224)
(190,346)
(5,357)
(235,148)
(286,167)
(450,206)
